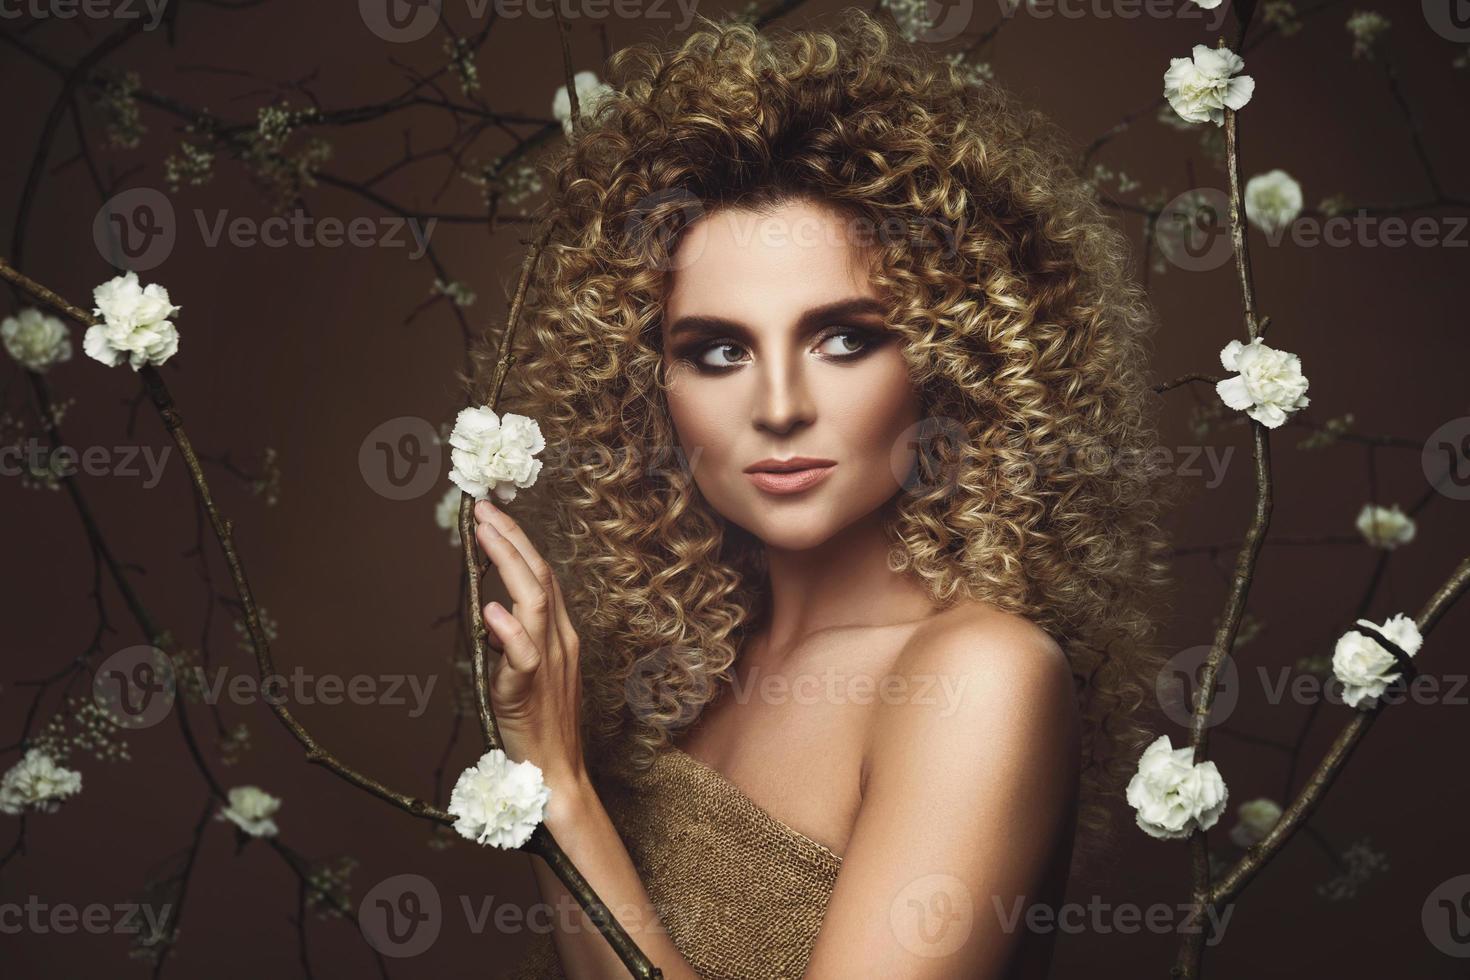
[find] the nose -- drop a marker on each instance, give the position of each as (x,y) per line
(783,401)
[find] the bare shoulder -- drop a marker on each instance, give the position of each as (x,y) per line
(998,651)
(997,680)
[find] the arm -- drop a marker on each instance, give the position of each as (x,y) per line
(585,832)
(961,814)
(535,691)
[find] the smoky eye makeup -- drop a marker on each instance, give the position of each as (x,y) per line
(717,354)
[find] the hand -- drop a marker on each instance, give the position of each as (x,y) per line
(536,687)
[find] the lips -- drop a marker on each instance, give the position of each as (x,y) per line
(783,476)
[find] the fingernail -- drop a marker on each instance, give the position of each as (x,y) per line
(490,529)
(482,509)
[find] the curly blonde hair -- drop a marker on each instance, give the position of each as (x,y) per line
(1023,331)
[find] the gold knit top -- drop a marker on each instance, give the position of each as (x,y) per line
(742,894)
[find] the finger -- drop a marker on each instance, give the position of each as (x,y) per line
(532,603)
(521,652)
(518,537)
(511,529)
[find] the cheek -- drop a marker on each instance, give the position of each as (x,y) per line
(702,423)
(875,412)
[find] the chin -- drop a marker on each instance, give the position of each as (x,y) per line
(792,532)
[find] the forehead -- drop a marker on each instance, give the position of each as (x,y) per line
(768,265)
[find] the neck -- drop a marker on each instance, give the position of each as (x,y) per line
(845,581)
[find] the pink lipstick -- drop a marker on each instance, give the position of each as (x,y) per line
(792,475)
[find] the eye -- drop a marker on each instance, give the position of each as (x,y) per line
(702,358)
(850,342)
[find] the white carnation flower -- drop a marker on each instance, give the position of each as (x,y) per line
(1272,200)
(446,515)
(35,339)
(499,802)
(1255,820)
(1385,527)
(251,809)
(1201,89)
(493,453)
(135,323)
(36,783)
(590,92)
(1269,384)
(1172,794)
(1362,664)
(1208,4)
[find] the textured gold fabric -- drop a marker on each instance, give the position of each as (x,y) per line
(741,893)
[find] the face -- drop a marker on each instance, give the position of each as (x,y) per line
(776,346)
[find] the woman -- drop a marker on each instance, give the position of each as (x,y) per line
(848,551)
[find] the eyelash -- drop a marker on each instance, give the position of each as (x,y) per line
(695,356)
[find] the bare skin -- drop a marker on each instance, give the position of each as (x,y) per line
(935,750)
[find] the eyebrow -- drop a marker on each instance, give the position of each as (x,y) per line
(815,317)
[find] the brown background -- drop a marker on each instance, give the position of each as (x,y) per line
(309,349)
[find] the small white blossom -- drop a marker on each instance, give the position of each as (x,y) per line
(1385,527)
(1367,28)
(1364,666)
(1269,384)
(35,339)
(1255,820)
(1208,4)
(36,783)
(251,809)
(1272,200)
(459,294)
(590,92)
(1173,794)
(135,323)
(446,515)
(1202,88)
(491,453)
(499,802)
